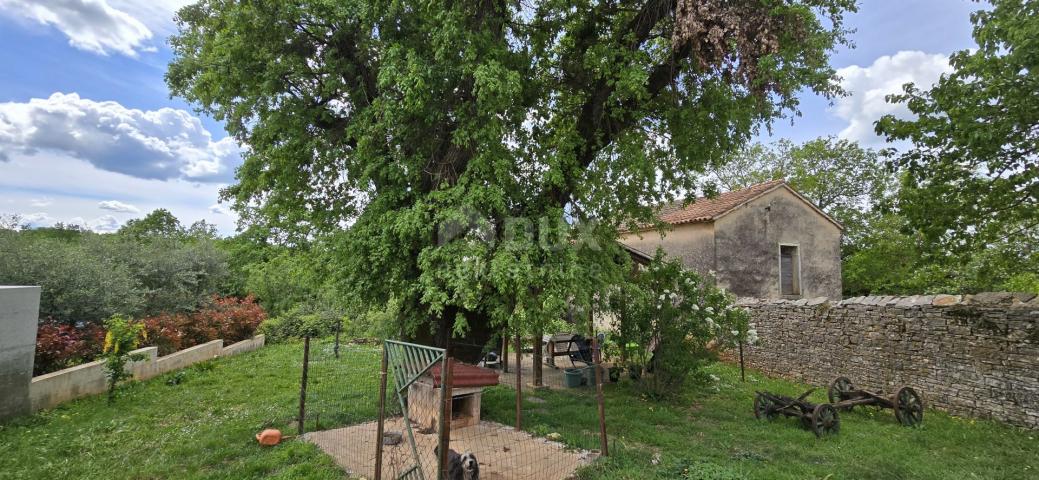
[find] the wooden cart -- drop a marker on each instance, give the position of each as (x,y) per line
(821,419)
(908,407)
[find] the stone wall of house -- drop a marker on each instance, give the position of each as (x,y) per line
(972,355)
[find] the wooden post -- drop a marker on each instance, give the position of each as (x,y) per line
(519,383)
(446,400)
(743,375)
(382,415)
(303,386)
(537,361)
(597,358)
(505,352)
(339,327)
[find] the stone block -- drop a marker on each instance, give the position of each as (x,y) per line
(19,316)
(991,298)
(945,300)
(817,301)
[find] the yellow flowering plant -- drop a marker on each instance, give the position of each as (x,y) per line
(123,336)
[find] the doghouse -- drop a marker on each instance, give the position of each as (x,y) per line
(467,386)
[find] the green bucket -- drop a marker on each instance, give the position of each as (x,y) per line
(572,377)
(589,374)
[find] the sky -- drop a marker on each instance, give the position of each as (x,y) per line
(90,135)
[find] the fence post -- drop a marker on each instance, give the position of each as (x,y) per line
(537,361)
(519,382)
(505,352)
(303,386)
(597,358)
(382,414)
(743,375)
(446,400)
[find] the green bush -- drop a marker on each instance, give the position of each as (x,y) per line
(301,321)
(88,277)
(666,316)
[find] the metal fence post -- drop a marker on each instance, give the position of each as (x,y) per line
(519,383)
(446,378)
(303,386)
(382,414)
(597,358)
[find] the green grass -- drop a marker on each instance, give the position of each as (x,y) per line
(203,427)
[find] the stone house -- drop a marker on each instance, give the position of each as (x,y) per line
(765,241)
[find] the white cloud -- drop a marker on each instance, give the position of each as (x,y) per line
(91,25)
(41,202)
(219,209)
(156,14)
(76,187)
(158,144)
(117,206)
(868,87)
(102,224)
(38,219)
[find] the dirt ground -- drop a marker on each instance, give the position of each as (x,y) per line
(503,452)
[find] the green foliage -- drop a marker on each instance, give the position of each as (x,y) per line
(842,178)
(302,321)
(665,318)
(123,335)
(399,122)
(84,277)
(893,258)
(972,176)
(87,277)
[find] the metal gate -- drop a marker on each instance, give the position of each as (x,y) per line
(406,362)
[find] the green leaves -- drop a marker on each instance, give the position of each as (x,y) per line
(972,165)
(372,125)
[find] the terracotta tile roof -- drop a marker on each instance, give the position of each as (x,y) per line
(707,209)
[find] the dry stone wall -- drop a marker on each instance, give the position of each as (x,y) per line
(972,355)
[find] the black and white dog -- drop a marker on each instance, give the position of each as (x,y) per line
(460,467)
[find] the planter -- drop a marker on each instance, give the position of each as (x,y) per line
(589,376)
(572,377)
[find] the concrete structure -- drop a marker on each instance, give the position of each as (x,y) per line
(19,314)
(765,241)
(55,388)
(975,355)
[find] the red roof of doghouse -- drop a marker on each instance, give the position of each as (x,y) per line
(464,375)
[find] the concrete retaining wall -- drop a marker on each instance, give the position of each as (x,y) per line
(52,389)
(19,310)
(975,355)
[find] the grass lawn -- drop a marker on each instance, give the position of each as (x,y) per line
(203,427)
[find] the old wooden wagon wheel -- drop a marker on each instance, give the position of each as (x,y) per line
(825,420)
(840,390)
(909,409)
(764,407)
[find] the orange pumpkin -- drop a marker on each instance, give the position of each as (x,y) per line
(269,437)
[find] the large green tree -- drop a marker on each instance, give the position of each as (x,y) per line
(844,179)
(973,178)
(453,141)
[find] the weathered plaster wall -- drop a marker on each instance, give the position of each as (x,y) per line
(19,310)
(972,355)
(747,247)
(693,243)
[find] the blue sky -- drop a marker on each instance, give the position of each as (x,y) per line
(90,135)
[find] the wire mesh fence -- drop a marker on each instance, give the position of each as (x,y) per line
(508,421)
